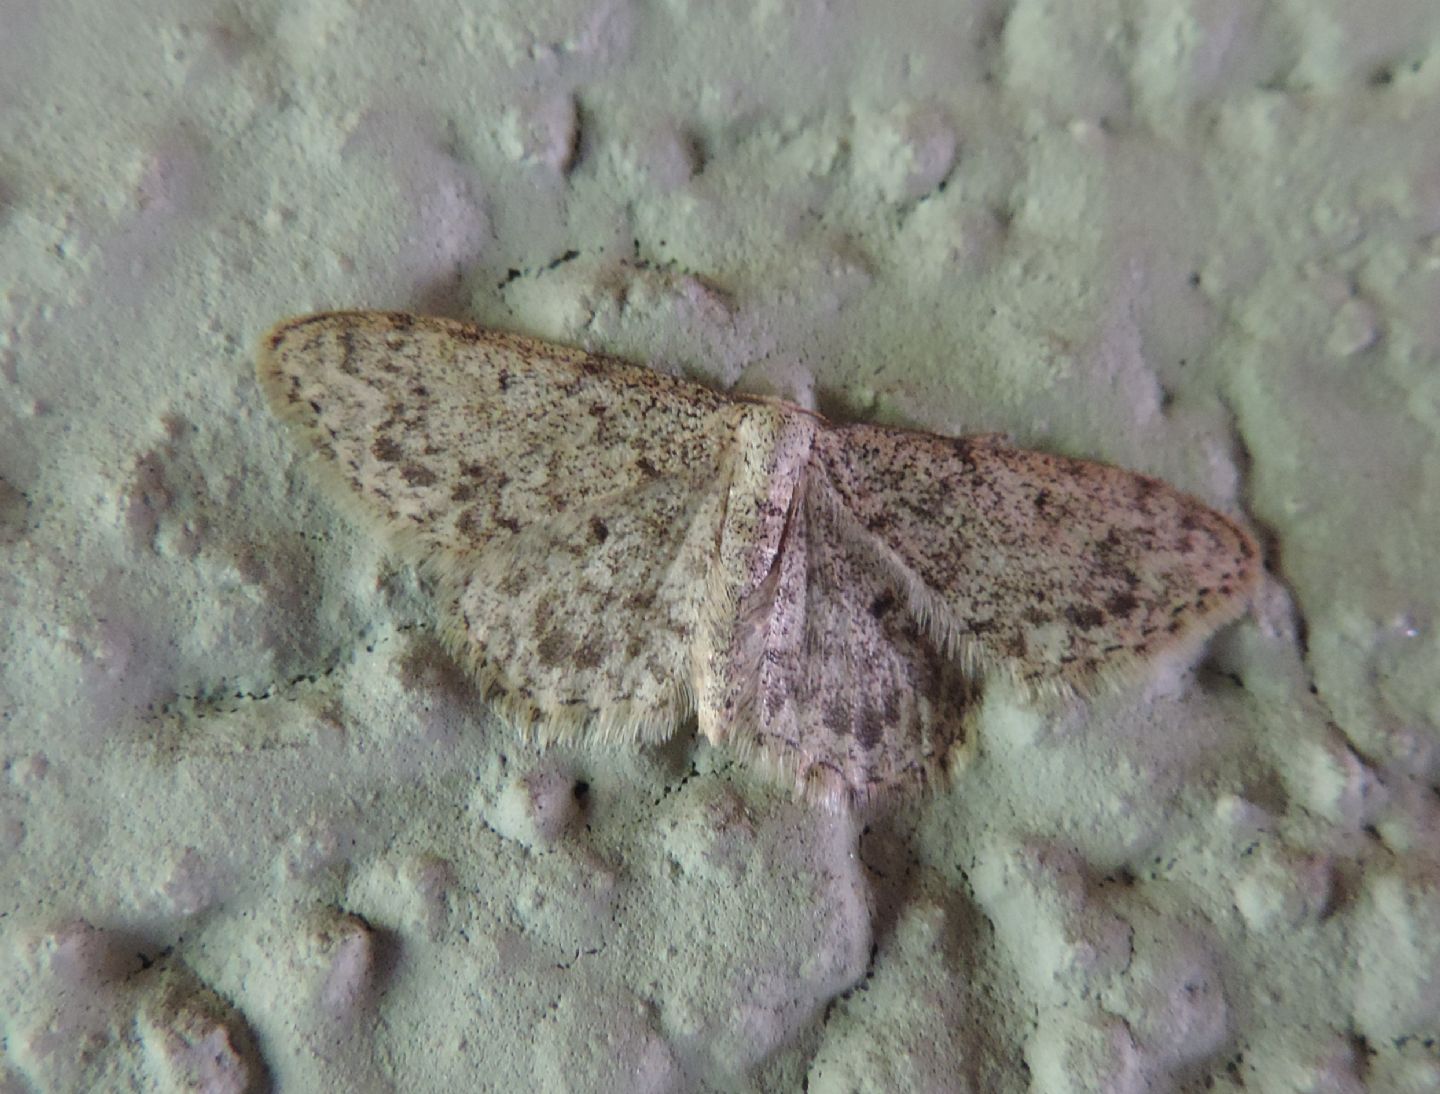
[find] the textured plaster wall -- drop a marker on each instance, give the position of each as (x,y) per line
(257,831)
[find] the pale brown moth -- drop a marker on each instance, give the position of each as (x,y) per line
(617,549)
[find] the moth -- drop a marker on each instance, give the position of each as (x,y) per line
(615,550)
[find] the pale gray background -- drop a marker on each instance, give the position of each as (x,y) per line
(255,829)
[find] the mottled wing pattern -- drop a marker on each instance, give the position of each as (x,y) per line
(456,436)
(850,695)
(1054,571)
(588,620)
(561,497)
(617,548)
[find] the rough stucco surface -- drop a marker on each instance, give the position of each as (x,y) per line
(257,831)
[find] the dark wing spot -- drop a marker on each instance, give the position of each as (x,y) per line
(882,604)
(588,656)
(871,727)
(386,450)
(347,353)
(416,475)
(1084,616)
(964,448)
(554,648)
(599,530)
(1121,604)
